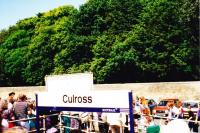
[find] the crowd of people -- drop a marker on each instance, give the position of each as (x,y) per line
(12,109)
(144,118)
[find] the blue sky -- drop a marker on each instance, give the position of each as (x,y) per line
(12,11)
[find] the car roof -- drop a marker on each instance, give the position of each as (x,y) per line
(169,99)
(189,101)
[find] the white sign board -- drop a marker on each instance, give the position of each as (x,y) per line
(68,82)
(90,99)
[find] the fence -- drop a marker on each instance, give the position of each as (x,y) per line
(159,121)
(60,126)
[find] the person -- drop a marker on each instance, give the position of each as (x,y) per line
(50,125)
(103,125)
(10,100)
(136,114)
(143,103)
(175,126)
(65,115)
(191,117)
(21,110)
(170,111)
(115,120)
(175,111)
(11,96)
(145,120)
(52,130)
(75,122)
(31,114)
(198,114)
(89,121)
(197,119)
(180,110)
(151,106)
(94,123)
(6,115)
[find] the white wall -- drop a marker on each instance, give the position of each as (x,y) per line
(183,90)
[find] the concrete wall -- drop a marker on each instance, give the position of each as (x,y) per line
(182,90)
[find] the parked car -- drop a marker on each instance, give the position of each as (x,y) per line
(162,108)
(194,107)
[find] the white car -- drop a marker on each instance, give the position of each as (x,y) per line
(194,107)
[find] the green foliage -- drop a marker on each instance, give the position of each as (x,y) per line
(3,79)
(118,40)
(103,46)
(16,40)
(166,45)
(76,52)
(121,67)
(113,16)
(14,66)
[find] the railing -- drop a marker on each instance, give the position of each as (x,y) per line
(142,128)
(61,127)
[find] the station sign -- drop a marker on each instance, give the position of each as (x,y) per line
(108,100)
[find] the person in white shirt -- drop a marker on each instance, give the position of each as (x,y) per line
(175,111)
(116,120)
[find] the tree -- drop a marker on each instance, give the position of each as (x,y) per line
(78,51)
(13,50)
(50,35)
(118,40)
(113,16)
(167,41)
(14,66)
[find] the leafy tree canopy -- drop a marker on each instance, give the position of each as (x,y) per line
(119,41)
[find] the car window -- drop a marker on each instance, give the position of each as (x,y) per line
(192,104)
(162,103)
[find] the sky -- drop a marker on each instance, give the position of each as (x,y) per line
(11,11)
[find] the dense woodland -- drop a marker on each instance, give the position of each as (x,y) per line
(120,41)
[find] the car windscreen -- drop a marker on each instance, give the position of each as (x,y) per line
(192,104)
(162,103)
